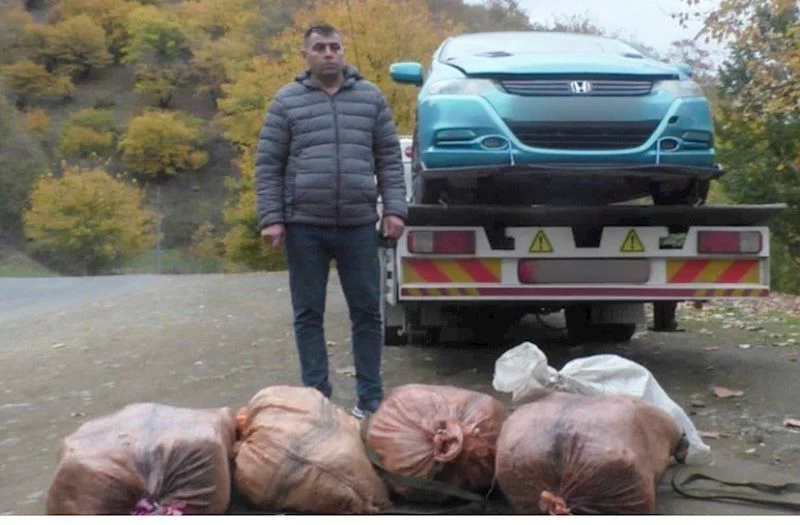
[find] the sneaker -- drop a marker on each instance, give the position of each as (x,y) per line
(357,413)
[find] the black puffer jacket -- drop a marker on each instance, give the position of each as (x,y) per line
(318,156)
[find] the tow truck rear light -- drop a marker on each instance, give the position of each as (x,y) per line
(447,242)
(728,242)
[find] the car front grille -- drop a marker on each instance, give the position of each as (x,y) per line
(583,135)
(564,87)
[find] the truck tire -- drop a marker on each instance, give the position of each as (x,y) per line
(580,330)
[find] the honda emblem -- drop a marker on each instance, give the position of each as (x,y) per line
(580,86)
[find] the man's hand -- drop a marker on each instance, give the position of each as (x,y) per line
(274,234)
(392,227)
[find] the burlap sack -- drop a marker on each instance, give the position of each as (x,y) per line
(300,452)
(437,433)
(146,459)
(572,454)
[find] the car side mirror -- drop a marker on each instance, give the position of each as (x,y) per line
(406,73)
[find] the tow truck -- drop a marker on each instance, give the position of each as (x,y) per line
(478,269)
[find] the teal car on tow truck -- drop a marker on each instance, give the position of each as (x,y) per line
(524,118)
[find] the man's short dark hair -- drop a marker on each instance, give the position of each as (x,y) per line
(321,29)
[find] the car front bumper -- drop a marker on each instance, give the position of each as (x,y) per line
(469,131)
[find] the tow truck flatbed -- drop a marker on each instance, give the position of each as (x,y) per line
(474,268)
(609,215)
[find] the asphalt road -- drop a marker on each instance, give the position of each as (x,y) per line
(74,349)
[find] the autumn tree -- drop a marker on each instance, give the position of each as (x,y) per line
(29,81)
(14,22)
(159,49)
(382,32)
(758,117)
(489,15)
(159,144)
(88,217)
(89,133)
(224,34)
(111,15)
(76,46)
(36,121)
(770,32)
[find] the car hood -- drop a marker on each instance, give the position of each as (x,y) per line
(562,63)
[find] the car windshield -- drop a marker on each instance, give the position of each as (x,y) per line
(521,43)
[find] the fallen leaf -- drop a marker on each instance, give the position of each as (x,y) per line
(698,403)
(711,348)
(59,345)
(332,344)
(745,347)
(792,423)
(750,451)
(709,435)
(349,371)
(726,393)
(77,414)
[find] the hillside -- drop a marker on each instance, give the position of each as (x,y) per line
(166,97)
(180,57)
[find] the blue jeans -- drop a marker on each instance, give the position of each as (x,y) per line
(309,251)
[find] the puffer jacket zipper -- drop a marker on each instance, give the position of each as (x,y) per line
(338,156)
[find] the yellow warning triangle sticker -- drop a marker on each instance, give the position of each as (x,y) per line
(541,244)
(632,243)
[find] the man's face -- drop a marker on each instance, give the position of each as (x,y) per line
(324,55)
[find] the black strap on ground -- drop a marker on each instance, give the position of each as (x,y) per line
(472,503)
(704,483)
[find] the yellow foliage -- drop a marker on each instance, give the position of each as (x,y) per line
(158,46)
(77,45)
(88,216)
(110,14)
(77,141)
(88,133)
(30,81)
(383,32)
(14,24)
(243,108)
(36,121)
(162,143)
(773,86)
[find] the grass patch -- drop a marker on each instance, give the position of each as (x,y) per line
(173,261)
(17,264)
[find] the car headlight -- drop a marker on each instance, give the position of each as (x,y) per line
(679,88)
(461,86)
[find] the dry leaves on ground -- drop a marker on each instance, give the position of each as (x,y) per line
(726,393)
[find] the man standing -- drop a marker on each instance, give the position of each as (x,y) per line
(325,138)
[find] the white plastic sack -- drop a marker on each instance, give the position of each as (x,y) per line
(524,373)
